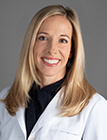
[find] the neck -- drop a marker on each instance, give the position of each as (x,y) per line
(47,80)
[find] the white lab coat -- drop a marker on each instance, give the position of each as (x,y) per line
(90,124)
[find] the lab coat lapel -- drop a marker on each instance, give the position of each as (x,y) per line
(49,113)
(21,119)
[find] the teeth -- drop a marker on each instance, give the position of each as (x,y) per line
(50,61)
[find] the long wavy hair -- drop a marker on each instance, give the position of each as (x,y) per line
(77,91)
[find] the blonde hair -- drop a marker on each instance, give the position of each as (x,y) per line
(77,91)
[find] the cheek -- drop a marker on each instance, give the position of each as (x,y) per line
(66,52)
(37,50)
(36,47)
(39,47)
(35,53)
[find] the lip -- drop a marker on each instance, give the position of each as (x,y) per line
(51,58)
(54,61)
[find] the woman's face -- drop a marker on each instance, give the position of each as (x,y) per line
(52,47)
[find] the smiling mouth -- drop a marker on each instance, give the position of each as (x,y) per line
(50,61)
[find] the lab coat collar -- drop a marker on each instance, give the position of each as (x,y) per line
(49,113)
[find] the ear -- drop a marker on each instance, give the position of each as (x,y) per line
(70,55)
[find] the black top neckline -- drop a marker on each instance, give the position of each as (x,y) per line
(39,99)
(49,88)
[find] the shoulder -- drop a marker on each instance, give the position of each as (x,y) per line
(96,118)
(97,97)
(96,107)
(97,103)
(100,102)
(3,111)
(4,92)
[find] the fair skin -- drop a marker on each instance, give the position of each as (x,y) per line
(52,49)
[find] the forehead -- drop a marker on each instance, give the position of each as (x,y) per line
(56,23)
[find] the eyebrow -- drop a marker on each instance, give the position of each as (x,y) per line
(62,35)
(43,33)
(65,36)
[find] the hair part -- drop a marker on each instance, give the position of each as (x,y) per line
(77,91)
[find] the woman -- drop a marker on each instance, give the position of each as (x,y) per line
(50,98)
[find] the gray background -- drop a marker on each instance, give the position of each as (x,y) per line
(15,16)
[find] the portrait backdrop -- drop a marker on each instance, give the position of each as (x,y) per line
(15,16)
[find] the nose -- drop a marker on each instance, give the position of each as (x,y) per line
(52,47)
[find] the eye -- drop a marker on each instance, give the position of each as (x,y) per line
(42,38)
(63,41)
